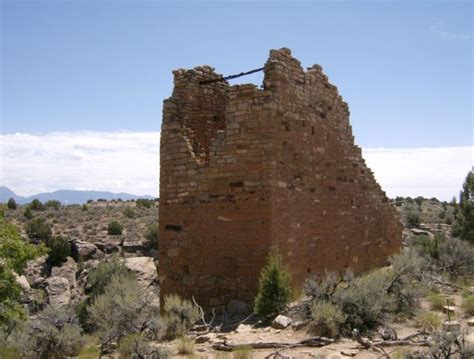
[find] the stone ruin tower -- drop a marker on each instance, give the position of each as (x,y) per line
(244,169)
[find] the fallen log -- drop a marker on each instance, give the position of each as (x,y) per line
(315,342)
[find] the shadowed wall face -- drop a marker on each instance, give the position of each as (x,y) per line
(244,169)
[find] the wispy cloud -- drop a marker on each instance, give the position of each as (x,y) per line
(441,29)
(129,162)
(119,161)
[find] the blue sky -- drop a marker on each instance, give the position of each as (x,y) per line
(82,83)
(405,67)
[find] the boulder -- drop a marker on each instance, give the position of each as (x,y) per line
(83,250)
(109,244)
(67,270)
(470,339)
(35,272)
(22,282)
(281,322)
(144,269)
(470,322)
(243,328)
(59,293)
(134,243)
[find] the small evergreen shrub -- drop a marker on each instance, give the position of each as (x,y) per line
(53,204)
(114,228)
(59,250)
(38,229)
(327,319)
(274,287)
(180,316)
(36,205)
(413,219)
(11,204)
(84,208)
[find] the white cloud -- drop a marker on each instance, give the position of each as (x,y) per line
(439,28)
(129,162)
(429,172)
(117,162)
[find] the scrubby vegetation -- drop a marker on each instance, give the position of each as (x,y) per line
(38,229)
(11,204)
(112,312)
(180,315)
(14,254)
(59,249)
(274,289)
(114,228)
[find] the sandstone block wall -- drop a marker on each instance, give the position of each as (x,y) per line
(244,169)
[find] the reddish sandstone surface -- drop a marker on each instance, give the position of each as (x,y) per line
(244,169)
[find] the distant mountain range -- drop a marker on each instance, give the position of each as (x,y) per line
(66,196)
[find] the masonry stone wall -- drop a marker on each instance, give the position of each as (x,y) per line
(244,169)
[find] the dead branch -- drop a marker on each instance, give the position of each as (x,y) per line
(440,282)
(205,325)
(315,342)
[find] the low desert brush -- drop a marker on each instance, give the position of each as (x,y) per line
(185,345)
(429,321)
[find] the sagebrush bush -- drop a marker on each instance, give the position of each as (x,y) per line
(59,250)
(122,309)
(114,228)
(274,290)
(327,319)
(323,289)
(101,275)
(53,333)
(456,257)
(129,212)
(136,346)
(38,229)
(180,316)
(365,301)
